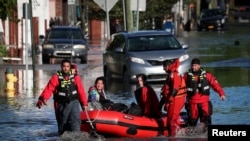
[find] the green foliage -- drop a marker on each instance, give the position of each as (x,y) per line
(154,8)
(8,8)
(96,12)
(157,10)
(3,51)
(189,1)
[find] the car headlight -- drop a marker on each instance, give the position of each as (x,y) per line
(183,57)
(48,46)
(137,60)
(79,46)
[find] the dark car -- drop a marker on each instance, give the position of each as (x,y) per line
(212,19)
(64,42)
(130,53)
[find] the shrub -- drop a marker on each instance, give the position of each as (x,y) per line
(3,51)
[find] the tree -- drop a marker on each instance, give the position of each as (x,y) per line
(96,12)
(156,9)
(8,8)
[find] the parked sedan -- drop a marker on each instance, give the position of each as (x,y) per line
(212,19)
(130,53)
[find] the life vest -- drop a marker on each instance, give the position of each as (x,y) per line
(201,85)
(182,91)
(66,91)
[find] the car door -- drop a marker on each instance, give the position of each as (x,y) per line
(115,59)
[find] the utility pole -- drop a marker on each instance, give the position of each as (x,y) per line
(32,47)
(124,15)
(129,16)
(84,16)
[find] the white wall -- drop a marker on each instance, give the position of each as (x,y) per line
(40,9)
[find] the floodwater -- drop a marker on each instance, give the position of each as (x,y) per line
(21,120)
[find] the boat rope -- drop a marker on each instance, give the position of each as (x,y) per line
(88,118)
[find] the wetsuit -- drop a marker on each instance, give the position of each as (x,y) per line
(174,97)
(198,95)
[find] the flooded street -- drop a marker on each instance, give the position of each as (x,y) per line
(229,62)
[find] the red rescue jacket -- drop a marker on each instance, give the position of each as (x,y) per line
(174,82)
(148,101)
(51,88)
(198,96)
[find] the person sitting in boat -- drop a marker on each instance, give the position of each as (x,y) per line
(97,94)
(146,98)
(97,98)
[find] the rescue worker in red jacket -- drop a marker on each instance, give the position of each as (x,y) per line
(173,94)
(146,98)
(198,83)
(68,94)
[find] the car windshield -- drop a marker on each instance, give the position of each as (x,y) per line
(211,13)
(149,43)
(65,34)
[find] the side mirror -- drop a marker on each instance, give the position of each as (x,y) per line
(184,46)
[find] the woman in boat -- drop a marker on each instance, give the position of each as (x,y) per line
(146,98)
(97,98)
(97,94)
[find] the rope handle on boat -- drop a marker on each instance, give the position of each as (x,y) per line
(87,114)
(93,132)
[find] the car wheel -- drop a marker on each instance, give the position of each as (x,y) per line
(126,80)
(45,60)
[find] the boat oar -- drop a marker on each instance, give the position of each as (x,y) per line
(93,132)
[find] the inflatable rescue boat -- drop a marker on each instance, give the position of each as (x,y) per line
(113,123)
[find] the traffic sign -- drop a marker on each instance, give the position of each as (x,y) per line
(109,3)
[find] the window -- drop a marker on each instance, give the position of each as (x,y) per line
(118,41)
